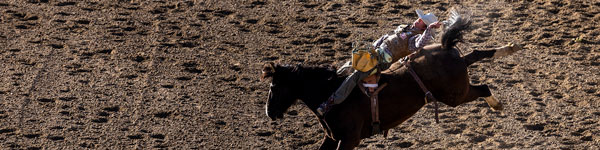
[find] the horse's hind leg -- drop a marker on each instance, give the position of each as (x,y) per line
(493,102)
(477,55)
(484,91)
(328,143)
(481,91)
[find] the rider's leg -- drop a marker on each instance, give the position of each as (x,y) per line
(346,68)
(347,86)
(343,91)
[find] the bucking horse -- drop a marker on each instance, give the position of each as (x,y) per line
(440,67)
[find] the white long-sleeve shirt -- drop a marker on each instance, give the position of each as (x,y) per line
(419,41)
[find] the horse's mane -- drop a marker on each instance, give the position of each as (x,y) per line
(306,72)
(453,35)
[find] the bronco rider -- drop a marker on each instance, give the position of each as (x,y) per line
(404,41)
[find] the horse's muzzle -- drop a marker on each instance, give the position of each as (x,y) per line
(269,114)
(274,116)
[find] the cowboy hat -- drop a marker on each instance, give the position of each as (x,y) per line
(428,18)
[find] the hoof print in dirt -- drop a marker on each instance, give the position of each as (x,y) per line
(67,99)
(66,113)
(2,131)
(167,86)
(162,114)
(31,136)
(46,100)
(56,138)
(404,144)
(535,127)
(264,133)
(103,114)
(183,78)
(135,136)
(139,58)
(57,46)
(158,136)
(100,120)
(65,3)
(82,21)
(220,122)
(21,27)
(112,109)
(37,1)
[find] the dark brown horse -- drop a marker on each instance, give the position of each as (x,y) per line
(440,67)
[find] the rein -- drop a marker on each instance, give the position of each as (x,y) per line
(428,94)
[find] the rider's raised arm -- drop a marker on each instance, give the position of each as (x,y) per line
(419,41)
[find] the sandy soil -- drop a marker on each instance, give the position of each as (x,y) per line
(125,74)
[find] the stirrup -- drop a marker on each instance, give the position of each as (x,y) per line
(321,110)
(345,69)
(325,107)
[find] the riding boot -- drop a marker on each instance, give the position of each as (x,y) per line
(346,69)
(324,107)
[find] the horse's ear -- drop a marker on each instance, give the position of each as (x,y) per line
(268,70)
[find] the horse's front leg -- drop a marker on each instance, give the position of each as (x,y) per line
(348,143)
(328,143)
(350,138)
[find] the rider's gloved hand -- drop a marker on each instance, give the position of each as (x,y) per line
(435,25)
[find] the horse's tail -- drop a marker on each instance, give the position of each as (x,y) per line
(455,24)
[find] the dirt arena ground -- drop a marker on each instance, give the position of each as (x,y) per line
(135,74)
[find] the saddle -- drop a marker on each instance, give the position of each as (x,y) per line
(365,59)
(370,88)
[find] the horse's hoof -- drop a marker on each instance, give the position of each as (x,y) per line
(507,49)
(515,47)
(498,107)
(493,103)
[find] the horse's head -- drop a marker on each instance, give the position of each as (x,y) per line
(282,89)
(310,84)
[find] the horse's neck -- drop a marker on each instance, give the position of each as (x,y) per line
(316,92)
(313,97)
